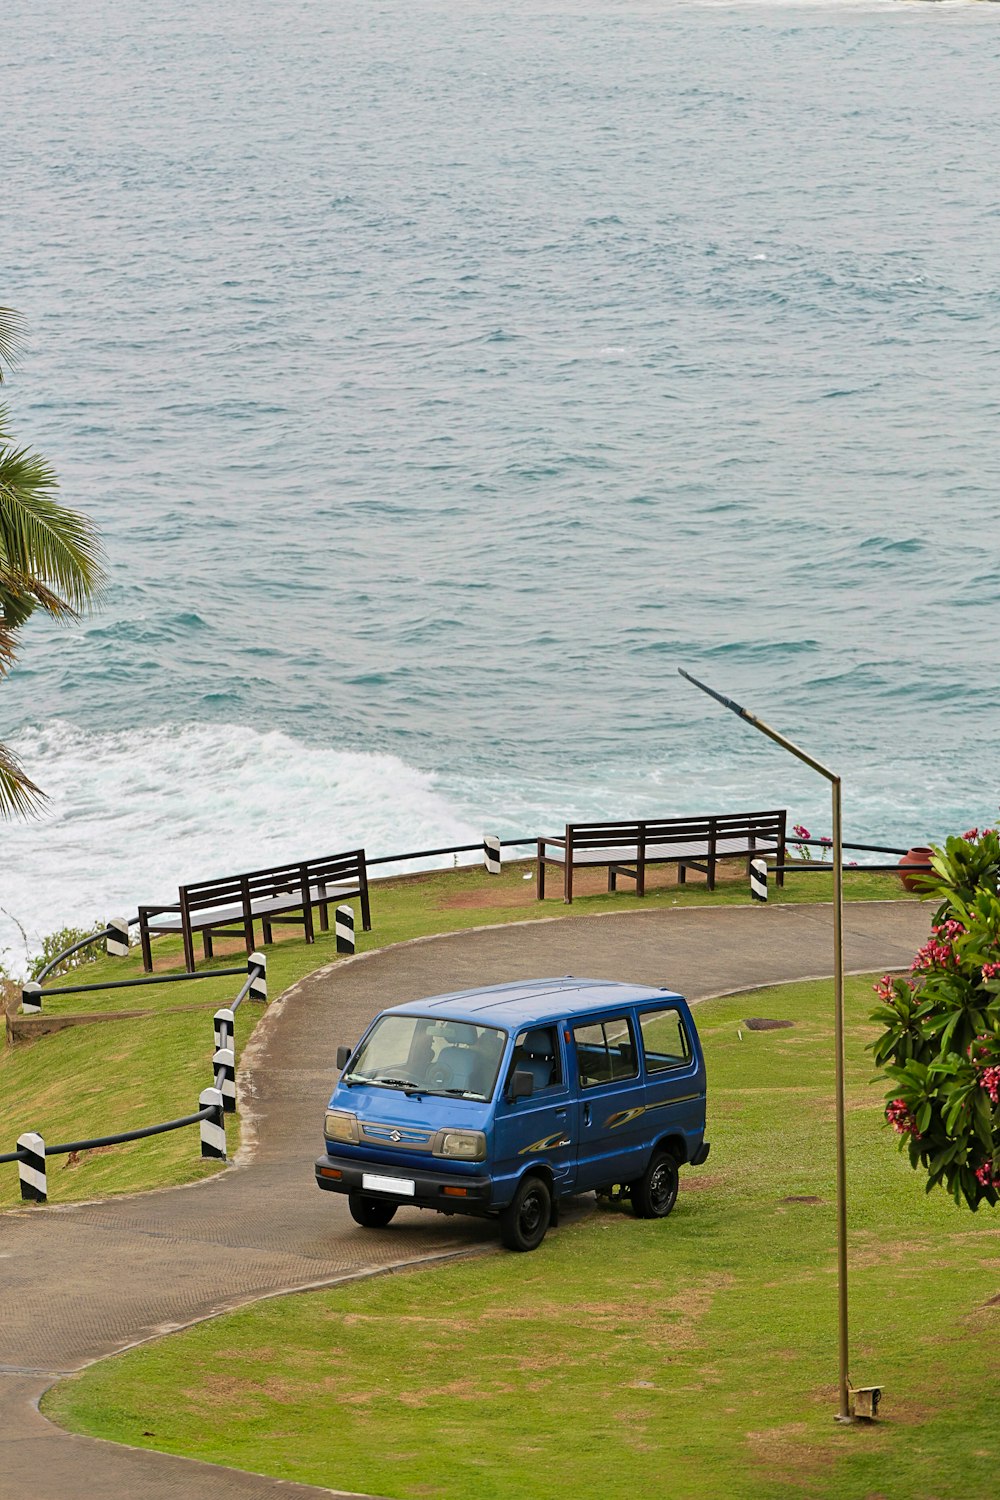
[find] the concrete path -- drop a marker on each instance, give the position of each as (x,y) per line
(83,1281)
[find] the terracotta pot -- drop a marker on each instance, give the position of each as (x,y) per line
(917,856)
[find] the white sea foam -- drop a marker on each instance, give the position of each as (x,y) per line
(132,815)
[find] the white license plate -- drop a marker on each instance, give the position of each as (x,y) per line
(404,1186)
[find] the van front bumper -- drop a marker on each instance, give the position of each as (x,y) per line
(445,1191)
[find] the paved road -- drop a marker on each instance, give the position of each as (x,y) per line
(82,1281)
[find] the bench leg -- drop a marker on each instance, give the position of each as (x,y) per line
(682,874)
(540,880)
(188,948)
(640,877)
(250,938)
(710,874)
(267,930)
(324,916)
(147,956)
(612,878)
(568,881)
(206,943)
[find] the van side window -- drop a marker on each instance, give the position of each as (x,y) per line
(537,1052)
(664,1040)
(605,1050)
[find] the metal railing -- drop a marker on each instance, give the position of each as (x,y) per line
(214,1102)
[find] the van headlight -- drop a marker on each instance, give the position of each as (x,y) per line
(465,1145)
(339,1125)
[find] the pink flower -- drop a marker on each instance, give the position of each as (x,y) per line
(987,1176)
(802,833)
(989,1080)
(991,971)
(970,835)
(901,1119)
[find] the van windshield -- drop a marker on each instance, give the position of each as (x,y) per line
(428,1056)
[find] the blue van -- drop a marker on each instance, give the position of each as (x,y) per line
(501,1102)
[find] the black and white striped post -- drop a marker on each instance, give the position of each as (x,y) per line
(491,853)
(758,879)
(224,1028)
(31,999)
(345,929)
(31,1168)
(257,969)
(117,938)
(213,1129)
(224,1067)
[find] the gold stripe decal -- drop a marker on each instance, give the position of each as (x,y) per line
(547,1143)
(626,1116)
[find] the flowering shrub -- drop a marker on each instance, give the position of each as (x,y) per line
(940,1043)
(802,850)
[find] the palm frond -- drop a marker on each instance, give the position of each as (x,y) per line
(11,337)
(17,793)
(42,540)
(8,649)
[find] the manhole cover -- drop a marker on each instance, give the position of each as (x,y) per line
(761,1023)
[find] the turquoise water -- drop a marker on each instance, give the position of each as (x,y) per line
(443,376)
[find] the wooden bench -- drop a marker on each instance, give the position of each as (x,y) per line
(690,843)
(230,906)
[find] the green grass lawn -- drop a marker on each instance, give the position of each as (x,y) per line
(691,1357)
(118,1075)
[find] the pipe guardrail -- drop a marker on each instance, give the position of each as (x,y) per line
(214,1102)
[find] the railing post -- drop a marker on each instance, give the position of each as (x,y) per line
(491,853)
(257,969)
(345,929)
(31,1168)
(117,940)
(31,999)
(224,1068)
(213,1129)
(224,1026)
(758,880)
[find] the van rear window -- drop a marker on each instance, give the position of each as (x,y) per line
(664,1040)
(605,1050)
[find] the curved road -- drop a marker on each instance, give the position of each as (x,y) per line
(83,1281)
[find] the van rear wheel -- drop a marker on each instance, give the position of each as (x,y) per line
(526,1218)
(655,1193)
(370,1213)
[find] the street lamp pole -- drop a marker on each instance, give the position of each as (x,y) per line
(843,1414)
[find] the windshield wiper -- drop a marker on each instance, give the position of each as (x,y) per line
(398,1083)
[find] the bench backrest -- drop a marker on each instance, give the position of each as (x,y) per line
(750,827)
(293,879)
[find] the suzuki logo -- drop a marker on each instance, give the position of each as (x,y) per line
(394,1135)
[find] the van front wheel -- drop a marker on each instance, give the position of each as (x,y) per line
(370,1213)
(655,1193)
(528,1215)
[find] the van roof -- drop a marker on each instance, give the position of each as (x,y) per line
(527,1002)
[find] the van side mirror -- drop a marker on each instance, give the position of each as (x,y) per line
(343,1057)
(522,1085)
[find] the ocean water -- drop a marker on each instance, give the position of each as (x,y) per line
(444,375)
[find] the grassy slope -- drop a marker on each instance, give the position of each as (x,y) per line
(692,1357)
(103,1079)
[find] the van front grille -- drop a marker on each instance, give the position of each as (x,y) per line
(402,1137)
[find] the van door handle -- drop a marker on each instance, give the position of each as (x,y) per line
(586,1114)
(560,1114)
